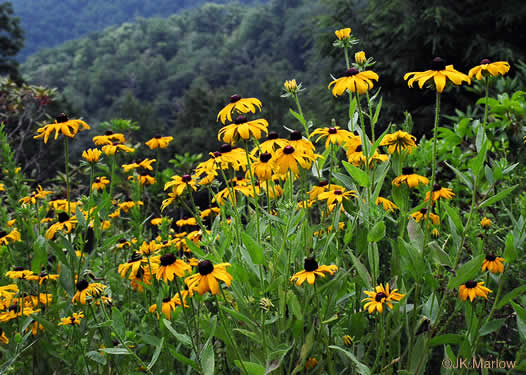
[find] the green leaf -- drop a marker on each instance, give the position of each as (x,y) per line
(156,354)
(116,351)
(377,232)
(377,111)
(467,272)
(195,249)
(362,271)
(461,176)
(207,358)
(510,252)
(357,174)
(448,338)
(238,316)
(185,360)
(80,217)
(251,335)
(455,217)
(521,319)
(501,195)
(491,326)
(360,367)
(251,367)
(298,116)
(118,322)
(97,356)
(510,296)
(256,252)
(182,338)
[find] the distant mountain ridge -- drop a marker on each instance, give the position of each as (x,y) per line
(49,23)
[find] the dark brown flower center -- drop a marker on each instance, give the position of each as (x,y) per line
(225,148)
(272,135)
(470,284)
(438,64)
(265,157)
(436,187)
(63,217)
(380,296)
(205,267)
(145,173)
(490,257)
(351,72)
(216,154)
(122,240)
(135,257)
(407,170)
(62,118)
(295,135)
(3,233)
(332,130)
(337,192)
(18,269)
(423,211)
(323,183)
(167,299)
(168,259)
(358,148)
(310,264)
(288,150)
(485,61)
(81,285)
(186,178)
(157,136)
(108,132)
(234,98)
(43,274)
(240,120)
(97,180)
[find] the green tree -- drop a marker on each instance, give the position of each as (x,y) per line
(11,41)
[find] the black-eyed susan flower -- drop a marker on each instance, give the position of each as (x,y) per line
(354,81)
(388,205)
(379,296)
(39,193)
(493,264)
(342,34)
(334,135)
(145,179)
(423,214)
(206,279)
(410,178)
(99,183)
(43,277)
(356,157)
(337,196)
(485,223)
(128,205)
(311,363)
(171,267)
(92,155)
(180,184)
(186,221)
(440,192)
(398,142)
(272,143)
(86,291)
(159,142)
(108,138)
(318,189)
(439,73)
(209,211)
(288,158)
(3,337)
(473,289)
(72,320)
(168,305)
(303,146)
(240,105)
(111,149)
(312,269)
(264,167)
(242,129)
(63,125)
(136,262)
(487,68)
(149,248)
(19,273)
(8,238)
(2,187)
(123,243)
(360,58)
(435,233)
(65,224)
(234,157)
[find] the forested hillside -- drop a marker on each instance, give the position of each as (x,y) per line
(48,23)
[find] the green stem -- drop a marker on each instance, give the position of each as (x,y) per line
(253,183)
(370,116)
(66,157)
(486,104)
(112,178)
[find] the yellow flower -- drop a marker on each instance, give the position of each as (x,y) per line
(72,320)
(388,205)
(86,290)
(343,33)
(440,73)
(422,214)
(359,57)
(62,125)
(145,179)
(111,149)
(168,305)
(243,129)
(238,104)
(264,167)
(379,296)
(337,196)
(2,187)
(485,223)
(291,86)
(334,135)
(19,273)
(188,221)
(99,183)
(440,192)
(170,267)
(159,142)
(312,269)
(311,363)
(38,194)
(435,233)
(354,81)
(135,264)
(3,337)
(65,224)
(108,138)
(288,158)
(206,278)
(473,289)
(180,184)
(347,340)
(409,178)
(399,141)
(356,157)
(8,238)
(486,68)
(272,143)
(92,155)
(493,264)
